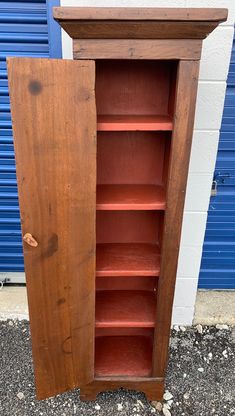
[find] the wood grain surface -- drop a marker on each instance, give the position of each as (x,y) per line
(186,90)
(54,124)
(138,23)
(137,30)
(137,49)
(152,387)
(139,13)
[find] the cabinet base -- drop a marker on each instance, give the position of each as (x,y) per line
(153,388)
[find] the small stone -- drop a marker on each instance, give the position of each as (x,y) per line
(139,402)
(184,375)
(221,326)
(119,406)
(200,369)
(170,403)
(176,328)
(167,396)
(199,328)
(97,407)
(153,410)
(210,355)
(182,328)
(186,396)
(20,395)
(225,354)
(10,323)
(166,411)
(157,405)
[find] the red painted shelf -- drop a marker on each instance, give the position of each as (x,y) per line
(127,259)
(134,122)
(123,309)
(123,356)
(130,197)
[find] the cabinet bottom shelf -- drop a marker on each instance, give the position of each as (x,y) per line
(123,356)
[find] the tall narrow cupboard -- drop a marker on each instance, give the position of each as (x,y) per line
(102,147)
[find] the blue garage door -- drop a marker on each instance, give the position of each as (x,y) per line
(218,258)
(26,29)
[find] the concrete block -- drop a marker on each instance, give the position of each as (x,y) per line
(185,292)
(210,103)
(198,191)
(193,229)
(204,151)
(182,316)
(216,53)
(189,262)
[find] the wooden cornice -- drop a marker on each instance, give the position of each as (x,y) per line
(138,23)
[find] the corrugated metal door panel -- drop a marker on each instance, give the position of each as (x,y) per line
(218,257)
(24,28)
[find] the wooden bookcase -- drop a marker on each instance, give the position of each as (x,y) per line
(109,138)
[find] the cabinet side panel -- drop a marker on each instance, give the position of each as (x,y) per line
(54,123)
(186,90)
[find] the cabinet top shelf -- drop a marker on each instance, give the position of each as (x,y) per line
(138,23)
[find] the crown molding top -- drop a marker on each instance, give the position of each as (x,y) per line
(138,23)
(137,13)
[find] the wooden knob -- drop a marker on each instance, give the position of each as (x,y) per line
(28,238)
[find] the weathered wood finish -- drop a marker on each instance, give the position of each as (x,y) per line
(138,23)
(137,49)
(54,123)
(137,30)
(151,34)
(186,90)
(152,387)
(138,13)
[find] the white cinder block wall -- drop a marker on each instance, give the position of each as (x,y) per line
(211,92)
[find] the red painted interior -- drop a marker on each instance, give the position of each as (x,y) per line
(130,259)
(127,283)
(125,309)
(135,105)
(124,331)
(133,87)
(131,157)
(130,197)
(123,355)
(128,226)
(133,123)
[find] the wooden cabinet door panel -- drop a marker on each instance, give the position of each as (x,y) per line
(54,125)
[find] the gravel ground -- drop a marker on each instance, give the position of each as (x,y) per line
(200,379)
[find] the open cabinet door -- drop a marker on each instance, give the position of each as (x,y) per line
(54,125)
